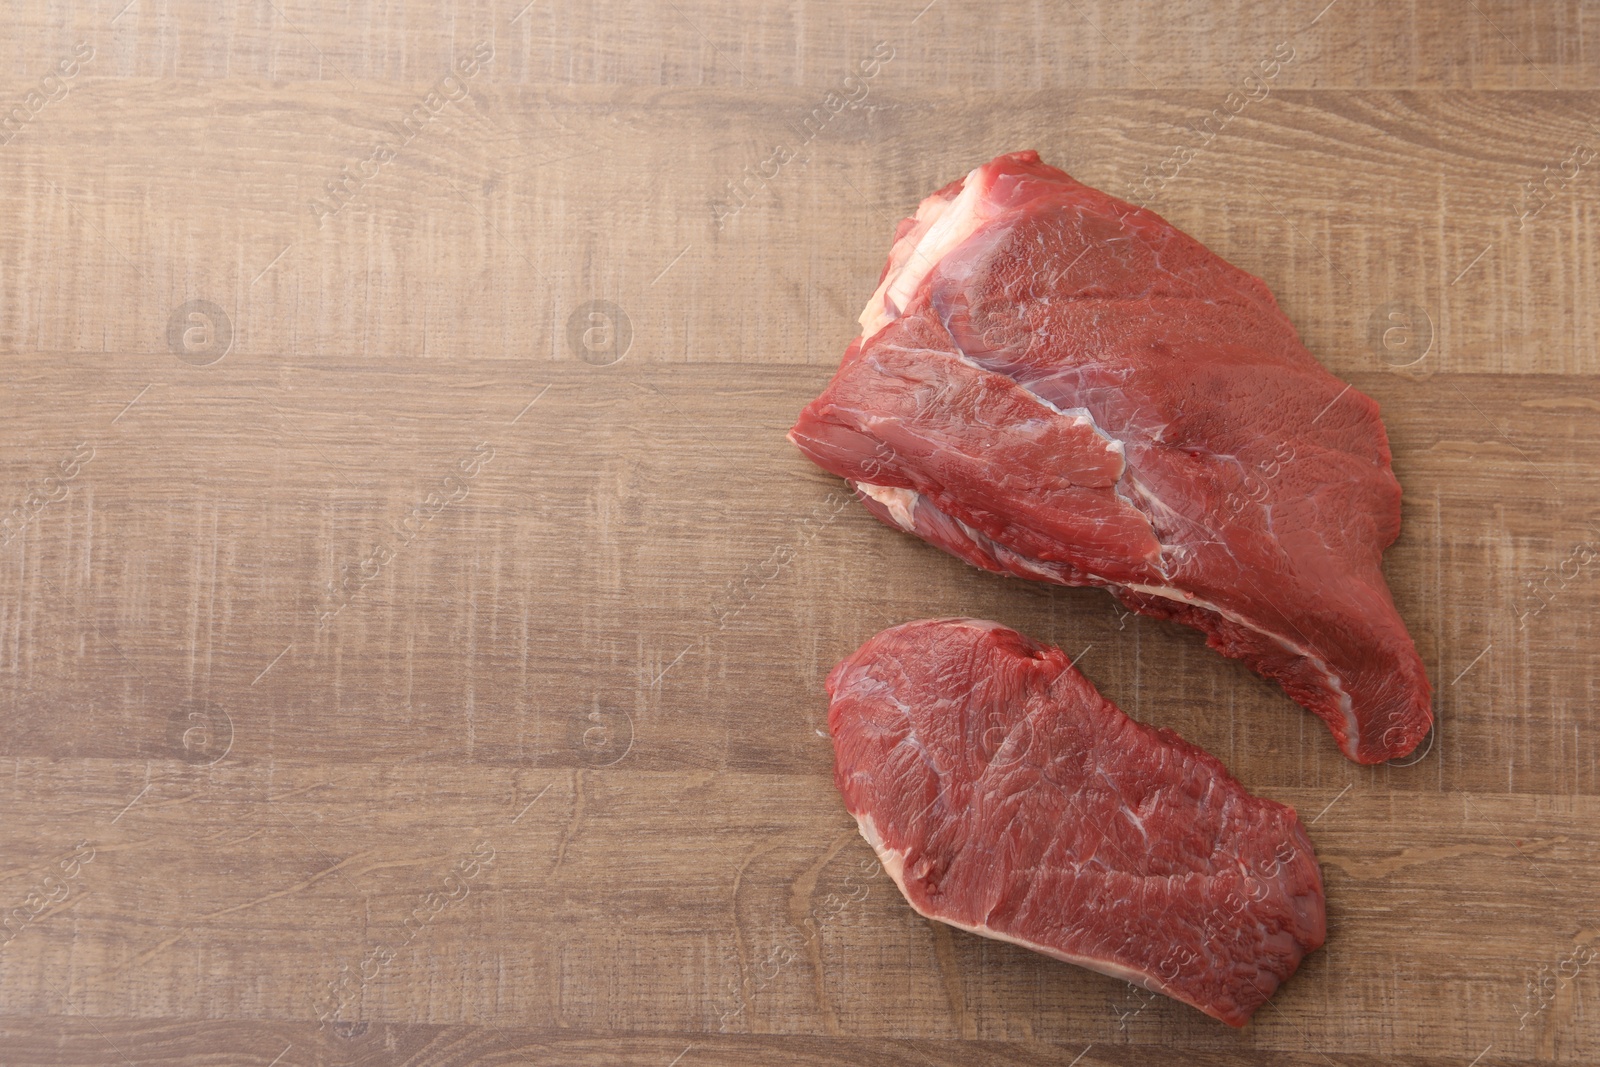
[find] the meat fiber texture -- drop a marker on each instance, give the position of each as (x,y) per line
(1055,384)
(1007,797)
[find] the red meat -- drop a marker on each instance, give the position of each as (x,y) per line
(1055,384)
(1007,797)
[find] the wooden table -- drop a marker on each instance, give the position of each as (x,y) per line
(414,619)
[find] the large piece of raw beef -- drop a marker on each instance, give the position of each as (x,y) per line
(1007,797)
(1056,384)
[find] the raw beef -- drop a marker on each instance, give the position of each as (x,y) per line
(1007,797)
(1055,384)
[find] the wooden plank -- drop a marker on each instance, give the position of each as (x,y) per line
(509,213)
(1492,44)
(182,1043)
(413,621)
(586,899)
(643,545)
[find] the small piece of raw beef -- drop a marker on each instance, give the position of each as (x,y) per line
(1005,796)
(1053,383)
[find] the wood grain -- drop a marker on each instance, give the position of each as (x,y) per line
(401,666)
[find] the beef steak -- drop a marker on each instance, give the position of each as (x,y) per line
(1055,384)
(1007,797)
